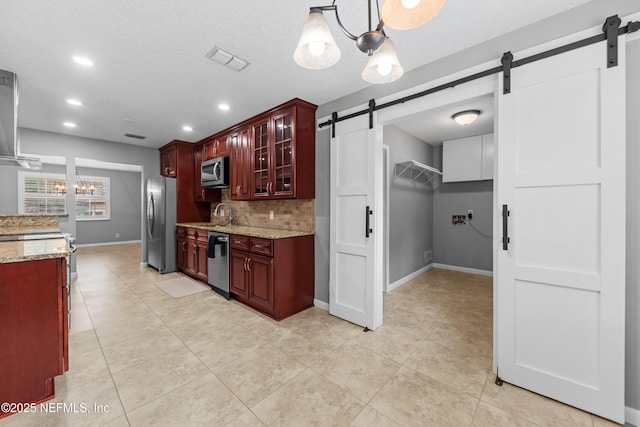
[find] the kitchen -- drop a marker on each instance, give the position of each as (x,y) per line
(72,145)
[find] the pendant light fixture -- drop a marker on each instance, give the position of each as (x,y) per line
(317,49)
(383,65)
(409,14)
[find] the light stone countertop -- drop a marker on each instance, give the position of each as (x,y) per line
(265,233)
(33,250)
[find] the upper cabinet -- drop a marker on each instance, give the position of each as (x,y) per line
(468,159)
(283,148)
(215,147)
(177,161)
(169,161)
(271,155)
(202,194)
(238,147)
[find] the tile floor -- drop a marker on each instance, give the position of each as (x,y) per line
(201,360)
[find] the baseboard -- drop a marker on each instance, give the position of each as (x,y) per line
(144,264)
(123,242)
(321,304)
(405,279)
(632,416)
(464,269)
(74,275)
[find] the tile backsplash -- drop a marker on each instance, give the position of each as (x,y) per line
(288,214)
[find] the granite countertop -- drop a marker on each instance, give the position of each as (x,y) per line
(265,233)
(17,231)
(33,250)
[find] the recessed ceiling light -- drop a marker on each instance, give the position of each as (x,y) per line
(224,107)
(187,128)
(83,61)
(74,102)
(69,124)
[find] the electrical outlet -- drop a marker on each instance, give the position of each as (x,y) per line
(428,256)
(470,213)
(117,235)
(271,215)
(222,213)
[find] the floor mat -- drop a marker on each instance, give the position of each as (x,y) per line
(181,287)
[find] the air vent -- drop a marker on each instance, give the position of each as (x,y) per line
(131,135)
(225,58)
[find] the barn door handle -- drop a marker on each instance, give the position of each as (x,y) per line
(367,214)
(505,229)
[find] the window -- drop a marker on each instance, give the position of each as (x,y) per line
(93,197)
(41,193)
(45,193)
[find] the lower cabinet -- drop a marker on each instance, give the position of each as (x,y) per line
(276,277)
(34,330)
(192,252)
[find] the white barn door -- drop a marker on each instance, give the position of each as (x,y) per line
(561,281)
(355,288)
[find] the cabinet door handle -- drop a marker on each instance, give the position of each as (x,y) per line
(505,228)
(248,264)
(203,193)
(184,246)
(367,214)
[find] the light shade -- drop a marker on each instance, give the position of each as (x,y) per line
(464,118)
(383,65)
(406,14)
(316,49)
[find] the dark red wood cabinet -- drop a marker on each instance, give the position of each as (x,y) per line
(33,329)
(181,154)
(202,194)
(282,153)
(239,164)
(215,146)
(276,277)
(169,161)
(192,252)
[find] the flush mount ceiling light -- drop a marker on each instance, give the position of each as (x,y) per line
(467,117)
(317,49)
(187,128)
(74,102)
(69,124)
(409,14)
(224,107)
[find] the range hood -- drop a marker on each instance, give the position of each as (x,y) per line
(9,144)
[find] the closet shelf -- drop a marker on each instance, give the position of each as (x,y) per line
(416,170)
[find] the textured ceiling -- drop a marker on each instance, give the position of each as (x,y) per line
(151,75)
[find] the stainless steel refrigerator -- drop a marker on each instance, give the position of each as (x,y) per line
(161,223)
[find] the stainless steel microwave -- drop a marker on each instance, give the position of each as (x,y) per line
(215,173)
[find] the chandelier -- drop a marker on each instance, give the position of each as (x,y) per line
(81,186)
(318,50)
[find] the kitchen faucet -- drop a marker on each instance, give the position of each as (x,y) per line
(215,212)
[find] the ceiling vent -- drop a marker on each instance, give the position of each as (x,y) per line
(225,58)
(131,135)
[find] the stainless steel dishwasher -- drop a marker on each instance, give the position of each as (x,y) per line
(218,263)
